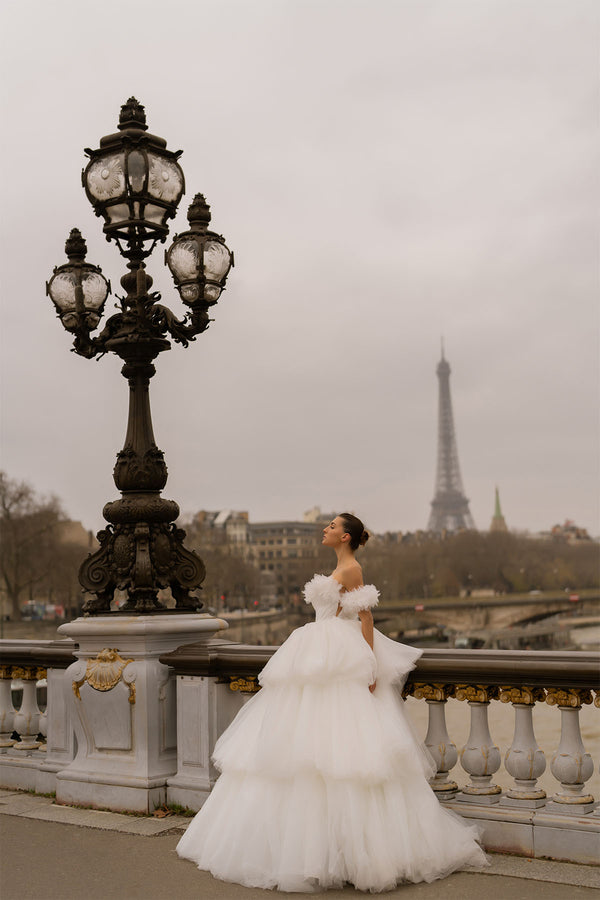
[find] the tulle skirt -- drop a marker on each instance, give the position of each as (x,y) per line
(324,782)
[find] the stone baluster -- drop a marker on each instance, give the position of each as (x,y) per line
(437,739)
(480,757)
(597,705)
(7,711)
(42,674)
(28,716)
(524,760)
(570,765)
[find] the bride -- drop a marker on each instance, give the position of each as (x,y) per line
(322,779)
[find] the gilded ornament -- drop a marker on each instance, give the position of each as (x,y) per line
(524,696)
(439,692)
(597,699)
(5,671)
(572,697)
(477,693)
(244,685)
(41,673)
(104,672)
(25,673)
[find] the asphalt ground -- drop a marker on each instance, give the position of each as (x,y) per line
(108,856)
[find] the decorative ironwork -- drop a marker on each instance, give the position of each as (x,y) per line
(135,183)
(198,259)
(449,507)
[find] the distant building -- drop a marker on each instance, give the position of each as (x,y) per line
(225,526)
(569,533)
(282,552)
(71,532)
(498,524)
(316,517)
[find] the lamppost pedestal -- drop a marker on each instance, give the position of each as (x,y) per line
(124,705)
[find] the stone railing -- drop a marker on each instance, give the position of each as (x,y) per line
(213,682)
(214,678)
(38,721)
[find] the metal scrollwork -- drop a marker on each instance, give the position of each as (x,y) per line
(135,472)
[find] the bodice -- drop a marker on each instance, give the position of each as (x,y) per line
(325,594)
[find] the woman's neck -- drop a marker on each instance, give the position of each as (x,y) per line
(344,554)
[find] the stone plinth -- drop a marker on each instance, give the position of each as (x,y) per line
(123,705)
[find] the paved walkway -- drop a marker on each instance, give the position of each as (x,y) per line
(64,853)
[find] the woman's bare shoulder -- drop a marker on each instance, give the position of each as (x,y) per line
(350,576)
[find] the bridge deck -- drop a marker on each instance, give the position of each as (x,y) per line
(109,856)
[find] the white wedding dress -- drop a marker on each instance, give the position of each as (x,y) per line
(324,782)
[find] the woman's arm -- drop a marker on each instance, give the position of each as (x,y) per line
(366,624)
(350,580)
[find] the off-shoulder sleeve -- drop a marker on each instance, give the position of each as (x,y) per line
(365,597)
(321,587)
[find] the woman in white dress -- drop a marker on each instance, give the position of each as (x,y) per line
(323,780)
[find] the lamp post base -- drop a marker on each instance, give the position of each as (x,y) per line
(124,708)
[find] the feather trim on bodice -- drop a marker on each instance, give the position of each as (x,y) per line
(365,597)
(325,594)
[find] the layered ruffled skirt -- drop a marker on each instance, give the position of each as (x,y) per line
(324,782)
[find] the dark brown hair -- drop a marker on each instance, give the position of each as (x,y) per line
(355,528)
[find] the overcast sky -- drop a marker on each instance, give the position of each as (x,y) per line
(386,173)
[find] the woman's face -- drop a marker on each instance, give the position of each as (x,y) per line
(333,534)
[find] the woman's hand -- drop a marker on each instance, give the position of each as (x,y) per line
(372,686)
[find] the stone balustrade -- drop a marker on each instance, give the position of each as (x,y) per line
(214,678)
(29,729)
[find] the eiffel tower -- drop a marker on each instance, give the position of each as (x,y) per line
(449,507)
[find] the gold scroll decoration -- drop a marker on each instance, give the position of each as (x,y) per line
(523,696)
(25,673)
(104,672)
(244,685)
(570,697)
(439,692)
(477,693)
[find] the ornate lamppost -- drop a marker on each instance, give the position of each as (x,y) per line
(135,184)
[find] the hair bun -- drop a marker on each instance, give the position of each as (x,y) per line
(364,537)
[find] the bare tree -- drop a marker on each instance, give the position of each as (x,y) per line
(29,540)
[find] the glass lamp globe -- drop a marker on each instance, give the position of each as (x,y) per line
(133,181)
(78,289)
(198,259)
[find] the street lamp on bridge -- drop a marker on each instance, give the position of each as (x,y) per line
(135,184)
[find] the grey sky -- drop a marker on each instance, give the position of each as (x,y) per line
(386,172)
